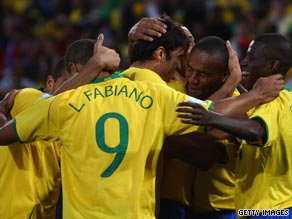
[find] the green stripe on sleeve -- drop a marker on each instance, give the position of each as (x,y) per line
(15,131)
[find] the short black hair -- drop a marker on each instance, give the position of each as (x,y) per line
(171,40)
(58,69)
(278,47)
(217,47)
(79,52)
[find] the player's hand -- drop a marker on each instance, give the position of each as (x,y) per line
(146,29)
(233,65)
(268,88)
(193,113)
(105,57)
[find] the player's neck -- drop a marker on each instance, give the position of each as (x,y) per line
(151,65)
(103,74)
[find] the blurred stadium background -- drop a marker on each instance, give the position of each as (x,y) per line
(35,33)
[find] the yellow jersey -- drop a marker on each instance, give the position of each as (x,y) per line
(177,177)
(112,132)
(30,173)
(264,174)
(213,190)
(142,74)
(177,85)
(173,175)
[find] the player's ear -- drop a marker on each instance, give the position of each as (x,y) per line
(73,67)
(159,54)
(50,82)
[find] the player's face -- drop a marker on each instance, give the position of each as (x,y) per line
(168,66)
(202,75)
(254,65)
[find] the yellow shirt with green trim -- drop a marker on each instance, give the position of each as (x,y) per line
(30,173)
(177,176)
(213,190)
(264,174)
(111,132)
(142,74)
(174,177)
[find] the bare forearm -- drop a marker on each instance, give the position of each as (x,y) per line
(6,105)
(249,130)
(237,106)
(87,74)
(241,88)
(197,149)
(7,134)
(264,90)
(225,91)
(3,119)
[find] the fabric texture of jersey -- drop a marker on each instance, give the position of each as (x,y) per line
(111,134)
(30,174)
(179,86)
(173,176)
(177,176)
(213,190)
(142,74)
(264,174)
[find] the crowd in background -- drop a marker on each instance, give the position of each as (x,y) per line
(35,33)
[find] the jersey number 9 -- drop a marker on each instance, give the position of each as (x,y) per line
(120,149)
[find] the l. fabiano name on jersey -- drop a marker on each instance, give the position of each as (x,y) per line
(145,101)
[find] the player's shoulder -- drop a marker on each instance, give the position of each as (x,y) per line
(285,96)
(287,91)
(24,99)
(29,91)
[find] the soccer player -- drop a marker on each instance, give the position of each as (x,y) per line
(207,72)
(30,173)
(213,190)
(163,41)
(146,65)
(263,170)
(105,145)
(210,60)
(107,151)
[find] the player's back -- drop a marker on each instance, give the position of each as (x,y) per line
(111,133)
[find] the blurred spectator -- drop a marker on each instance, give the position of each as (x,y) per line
(35,33)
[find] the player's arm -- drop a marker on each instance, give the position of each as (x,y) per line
(7,134)
(145,29)
(234,78)
(265,90)
(250,130)
(103,59)
(199,150)
(241,88)
(6,105)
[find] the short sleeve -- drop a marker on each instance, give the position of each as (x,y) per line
(170,99)
(36,123)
